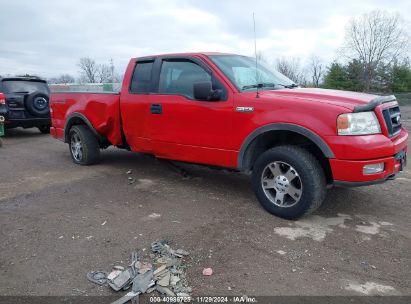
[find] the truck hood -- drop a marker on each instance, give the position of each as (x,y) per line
(344,99)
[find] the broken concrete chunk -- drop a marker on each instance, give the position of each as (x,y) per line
(165,290)
(142,282)
(182,252)
(114,274)
(160,269)
(143,267)
(165,274)
(174,280)
(121,280)
(165,280)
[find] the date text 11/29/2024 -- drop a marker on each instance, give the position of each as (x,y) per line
(204,299)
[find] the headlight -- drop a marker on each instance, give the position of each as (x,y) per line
(361,123)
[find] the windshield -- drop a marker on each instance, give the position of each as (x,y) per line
(24,86)
(241,71)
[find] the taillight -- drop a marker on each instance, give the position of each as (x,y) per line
(2,99)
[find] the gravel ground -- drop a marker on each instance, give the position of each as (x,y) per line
(59,220)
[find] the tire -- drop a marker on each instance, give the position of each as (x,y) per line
(289,182)
(44,129)
(37,104)
(83,145)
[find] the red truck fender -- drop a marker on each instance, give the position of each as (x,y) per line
(245,154)
(78,118)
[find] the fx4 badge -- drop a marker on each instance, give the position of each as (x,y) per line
(244,109)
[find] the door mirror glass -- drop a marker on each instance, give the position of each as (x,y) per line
(204,91)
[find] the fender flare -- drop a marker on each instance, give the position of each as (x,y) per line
(83,118)
(316,139)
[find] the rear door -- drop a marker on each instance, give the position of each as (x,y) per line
(134,105)
(184,128)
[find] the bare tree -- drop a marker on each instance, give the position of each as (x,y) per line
(261,57)
(290,67)
(104,74)
(65,78)
(316,69)
(375,38)
(89,70)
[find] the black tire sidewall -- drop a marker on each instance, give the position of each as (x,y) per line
(311,175)
(32,109)
(89,143)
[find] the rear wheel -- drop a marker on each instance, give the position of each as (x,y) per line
(289,182)
(84,146)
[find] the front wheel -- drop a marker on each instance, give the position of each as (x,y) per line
(84,146)
(289,182)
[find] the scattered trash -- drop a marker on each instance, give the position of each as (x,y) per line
(60,237)
(129,171)
(98,277)
(154,215)
(207,271)
(103,223)
(165,273)
(131,180)
(89,237)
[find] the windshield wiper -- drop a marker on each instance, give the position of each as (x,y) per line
(258,85)
(289,86)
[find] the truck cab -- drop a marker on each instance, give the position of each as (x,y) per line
(221,110)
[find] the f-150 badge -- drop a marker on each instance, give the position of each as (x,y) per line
(244,109)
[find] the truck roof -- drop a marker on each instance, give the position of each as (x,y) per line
(184,54)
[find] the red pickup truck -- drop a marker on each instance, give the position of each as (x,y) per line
(224,110)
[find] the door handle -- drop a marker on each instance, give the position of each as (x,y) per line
(156,108)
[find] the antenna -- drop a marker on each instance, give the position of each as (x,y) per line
(256,63)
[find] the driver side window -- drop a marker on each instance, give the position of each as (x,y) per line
(178,77)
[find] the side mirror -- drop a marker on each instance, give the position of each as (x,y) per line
(204,91)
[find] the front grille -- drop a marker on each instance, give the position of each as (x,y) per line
(392,117)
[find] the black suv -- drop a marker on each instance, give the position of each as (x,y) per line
(27,103)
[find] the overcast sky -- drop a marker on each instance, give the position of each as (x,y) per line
(47,37)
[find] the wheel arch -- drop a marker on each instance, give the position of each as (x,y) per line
(78,119)
(275,134)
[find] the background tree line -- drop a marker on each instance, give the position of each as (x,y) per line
(90,72)
(373,58)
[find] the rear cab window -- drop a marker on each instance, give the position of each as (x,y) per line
(141,79)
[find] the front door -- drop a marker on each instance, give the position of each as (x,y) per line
(187,129)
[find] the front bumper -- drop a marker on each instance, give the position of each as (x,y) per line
(349,172)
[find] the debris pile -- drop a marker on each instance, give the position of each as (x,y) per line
(165,274)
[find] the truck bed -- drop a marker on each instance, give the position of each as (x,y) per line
(103,112)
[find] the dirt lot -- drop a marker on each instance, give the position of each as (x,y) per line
(59,220)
